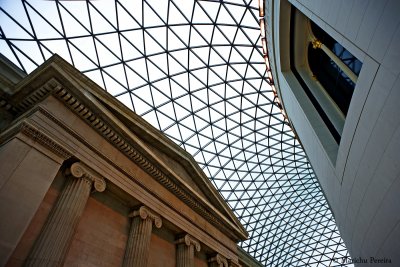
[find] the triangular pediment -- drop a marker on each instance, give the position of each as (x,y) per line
(162,158)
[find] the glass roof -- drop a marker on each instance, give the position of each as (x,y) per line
(194,70)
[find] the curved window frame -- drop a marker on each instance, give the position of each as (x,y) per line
(333,66)
(301,38)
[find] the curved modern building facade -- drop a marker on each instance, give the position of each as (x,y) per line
(336,69)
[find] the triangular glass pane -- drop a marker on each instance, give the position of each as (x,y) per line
(175,15)
(223,51)
(152,47)
(196,40)
(249,18)
(111,40)
(107,9)
(76,18)
(159,97)
(140,67)
(215,58)
(161,62)
(134,80)
(80,60)
(32,50)
(195,61)
(100,23)
(185,6)
(86,45)
(181,56)
(211,8)
(15,10)
(134,8)
(174,66)
(160,35)
(43,29)
(106,57)
(28,64)
(155,71)
(196,82)
(177,90)
(142,100)
(164,120)
(174,41)
(224,17)
(219,38)
(135,38)
(129,52)
(125,20)
(200,16)
(237,12)
(150,17)
(233,75)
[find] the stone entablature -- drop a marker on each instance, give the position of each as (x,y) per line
(59,112)
(36,135)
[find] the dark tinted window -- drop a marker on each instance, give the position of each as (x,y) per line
(336,83)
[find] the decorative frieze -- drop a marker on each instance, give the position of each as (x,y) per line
(38,136)
(185,247)
(52,244)
(137,248)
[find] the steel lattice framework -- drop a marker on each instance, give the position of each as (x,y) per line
(196,71)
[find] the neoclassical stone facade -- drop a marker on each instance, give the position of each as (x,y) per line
(85,181)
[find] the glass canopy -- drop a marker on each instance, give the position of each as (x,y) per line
(194,70)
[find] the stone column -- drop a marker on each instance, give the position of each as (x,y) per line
(217,261)
(137,248)
(52,244)
(185,247)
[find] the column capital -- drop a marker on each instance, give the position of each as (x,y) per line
(79,170)
(144,212)
(189,240)
(219,260)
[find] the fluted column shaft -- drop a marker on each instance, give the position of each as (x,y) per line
(185,251)
(184,255)
(52,244)
(138,245)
